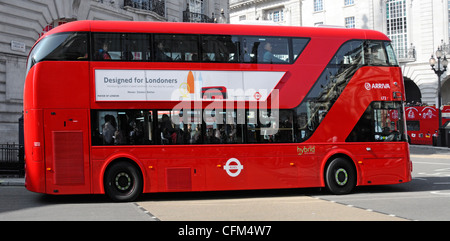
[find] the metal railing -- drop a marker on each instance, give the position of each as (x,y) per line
(157,6)
(11,157)
(196,17)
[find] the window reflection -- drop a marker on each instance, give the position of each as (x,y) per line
(381,122)
(328,88)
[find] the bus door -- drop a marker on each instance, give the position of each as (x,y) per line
(67,151)
(382,148)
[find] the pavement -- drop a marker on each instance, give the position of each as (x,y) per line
(8,180)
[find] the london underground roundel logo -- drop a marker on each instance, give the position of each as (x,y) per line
(233,167)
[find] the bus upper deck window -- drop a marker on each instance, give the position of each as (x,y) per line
(298,44)
(176,47)
(121,46)
(375,54)
(266,50)
(107,46)
(60,47)
(391,54)
(348,54)
(220,48)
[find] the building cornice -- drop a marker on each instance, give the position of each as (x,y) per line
(236,4)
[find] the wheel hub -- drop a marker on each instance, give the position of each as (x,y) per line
(341,177)
(123,181)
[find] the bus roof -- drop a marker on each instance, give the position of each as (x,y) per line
(214,28)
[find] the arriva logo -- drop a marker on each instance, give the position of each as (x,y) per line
(370,86)
(306,150)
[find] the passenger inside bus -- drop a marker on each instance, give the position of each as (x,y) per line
(268,55)
(159,53)
(109,129)
(102,53)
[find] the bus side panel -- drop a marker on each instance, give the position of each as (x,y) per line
(62,84)
(227,167)
(67,151)
(34,152)
(383,163)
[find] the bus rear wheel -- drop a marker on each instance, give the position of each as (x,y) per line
(340,176)
(123,182)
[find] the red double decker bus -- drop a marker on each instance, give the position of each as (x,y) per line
(128,107)
(422,123)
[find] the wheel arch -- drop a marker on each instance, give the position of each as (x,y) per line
(122,158)
(339,154)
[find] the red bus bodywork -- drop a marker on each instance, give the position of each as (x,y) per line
(59,96)
(423,123)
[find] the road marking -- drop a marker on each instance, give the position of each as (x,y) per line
(432,163)
(147,212)
(434,156)
(362,208)
(420,178)
(445,193)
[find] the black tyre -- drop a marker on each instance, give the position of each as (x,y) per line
(123,182)
(340,176)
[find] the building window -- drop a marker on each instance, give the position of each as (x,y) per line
(196,12)
(275,15)
(350,22)
(196,6)
(396,26)
(349,2)
(318,5)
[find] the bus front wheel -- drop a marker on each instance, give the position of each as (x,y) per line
(123,182)
(340,176)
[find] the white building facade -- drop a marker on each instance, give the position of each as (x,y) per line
(417,29)
(283,12)
(22,22)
